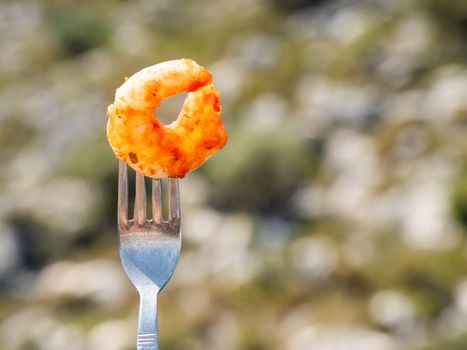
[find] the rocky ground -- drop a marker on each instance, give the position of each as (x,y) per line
(335,218)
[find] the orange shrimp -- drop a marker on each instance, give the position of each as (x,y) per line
(156,150)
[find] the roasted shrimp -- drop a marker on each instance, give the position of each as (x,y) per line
(173,150)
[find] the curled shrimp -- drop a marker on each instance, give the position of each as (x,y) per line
(152,148)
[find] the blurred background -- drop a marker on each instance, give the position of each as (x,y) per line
(335,218)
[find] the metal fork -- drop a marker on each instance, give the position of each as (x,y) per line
(149,248)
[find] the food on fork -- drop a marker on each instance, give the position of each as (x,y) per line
(173,150)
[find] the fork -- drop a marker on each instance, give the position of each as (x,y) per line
(149,248)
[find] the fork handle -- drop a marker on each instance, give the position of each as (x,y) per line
(148,336)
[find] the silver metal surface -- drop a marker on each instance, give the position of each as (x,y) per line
(149,248)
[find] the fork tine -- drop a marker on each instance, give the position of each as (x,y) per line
(140,200)
(174,200)
(122,194)
(156,200)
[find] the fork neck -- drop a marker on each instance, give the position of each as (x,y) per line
(148,335)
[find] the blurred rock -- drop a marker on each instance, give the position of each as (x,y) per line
(353,155)
(22,46)
(310,202)
(224,333)
(406,49)
(64,336)
(392,309)
(352,161)
(300,317)
(348,24)
(236,263)
(341,338)
(34,327)
(346,103)
(195,190)
(63,204)
(131,38)
(445,99)
(202,226)
(257,50)
(101,281)
(112,335)
(314,257)
(460,296)
(229,76)
(229,248)
(452,322)
(425,217)
(267,111)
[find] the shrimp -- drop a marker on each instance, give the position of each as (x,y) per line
(152,148)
